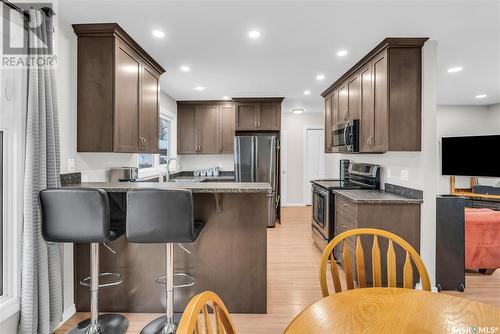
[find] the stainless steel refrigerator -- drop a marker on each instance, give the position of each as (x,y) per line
(255,160)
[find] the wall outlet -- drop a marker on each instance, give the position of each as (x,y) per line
(71,165)
(404,175)
(388,173)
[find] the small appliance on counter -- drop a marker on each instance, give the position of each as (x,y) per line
(360,176)
(124,174)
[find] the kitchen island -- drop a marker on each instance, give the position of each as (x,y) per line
(229,257)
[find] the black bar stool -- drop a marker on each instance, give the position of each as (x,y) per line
(82,216)
(163,216)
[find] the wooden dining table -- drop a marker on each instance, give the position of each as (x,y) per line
(395,310)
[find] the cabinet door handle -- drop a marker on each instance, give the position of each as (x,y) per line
(145,141)
(220,147)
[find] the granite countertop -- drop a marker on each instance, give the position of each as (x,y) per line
(374,196)
(195,187)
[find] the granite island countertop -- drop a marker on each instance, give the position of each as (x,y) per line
(195,187)
(368,196)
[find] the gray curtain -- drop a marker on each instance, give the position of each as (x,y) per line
(41,280)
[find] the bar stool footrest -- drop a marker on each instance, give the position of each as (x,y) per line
(191,280)
(86,280)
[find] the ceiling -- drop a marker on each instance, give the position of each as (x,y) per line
(300,39)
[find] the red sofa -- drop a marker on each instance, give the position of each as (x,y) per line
(482,239)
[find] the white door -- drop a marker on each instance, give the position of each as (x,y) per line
(315,160)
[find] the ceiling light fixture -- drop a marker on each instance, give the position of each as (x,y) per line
(158,33)
(297,110)
(225,97)
(185,68)
(342,53)
(481,96)
(200,88)
(455,69)
(307,92)
(254,34)
(320,77)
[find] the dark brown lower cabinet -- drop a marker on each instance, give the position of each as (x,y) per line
(402,219)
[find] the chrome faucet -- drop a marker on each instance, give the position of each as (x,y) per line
(179,166)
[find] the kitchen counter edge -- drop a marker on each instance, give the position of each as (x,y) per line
(202,187)
(368,196)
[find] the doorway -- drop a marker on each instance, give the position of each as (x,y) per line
(314,159)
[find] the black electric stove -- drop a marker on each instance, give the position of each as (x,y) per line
(361,176)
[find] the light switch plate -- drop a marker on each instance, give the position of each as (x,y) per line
(404,175)
(388,173)
(71,165)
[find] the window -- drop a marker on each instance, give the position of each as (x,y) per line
(156,160)
(146,160)
(1,213)
(164,140)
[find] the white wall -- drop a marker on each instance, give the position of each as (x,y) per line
(421,167)
(466,121)
(293,151)
(202,161)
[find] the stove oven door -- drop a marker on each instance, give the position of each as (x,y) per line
(321,212)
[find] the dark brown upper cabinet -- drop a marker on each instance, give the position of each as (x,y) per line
(258,114)
(118,92)
(383,91)
(328,120)
(205,127)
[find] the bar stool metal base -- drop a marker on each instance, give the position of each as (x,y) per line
(157,326)
(108,323)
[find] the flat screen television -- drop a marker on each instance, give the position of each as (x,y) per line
(471,156)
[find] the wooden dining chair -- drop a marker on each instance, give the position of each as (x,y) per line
(199,309)
(411,254)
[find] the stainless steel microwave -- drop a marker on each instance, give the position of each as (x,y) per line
(345,136)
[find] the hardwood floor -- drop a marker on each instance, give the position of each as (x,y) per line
(293,280)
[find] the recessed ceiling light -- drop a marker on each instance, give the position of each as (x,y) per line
(307,92)
(158,33)
(455,69)
(200,88)
(225,97)
(254,34)
(342,53)
(297,110)
(320,77)
(185,68)
(481,96)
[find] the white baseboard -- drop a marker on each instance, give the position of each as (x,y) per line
(293,204)
(68,313)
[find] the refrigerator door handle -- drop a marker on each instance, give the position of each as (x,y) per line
(272,164)
(254,159)
(237,160)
